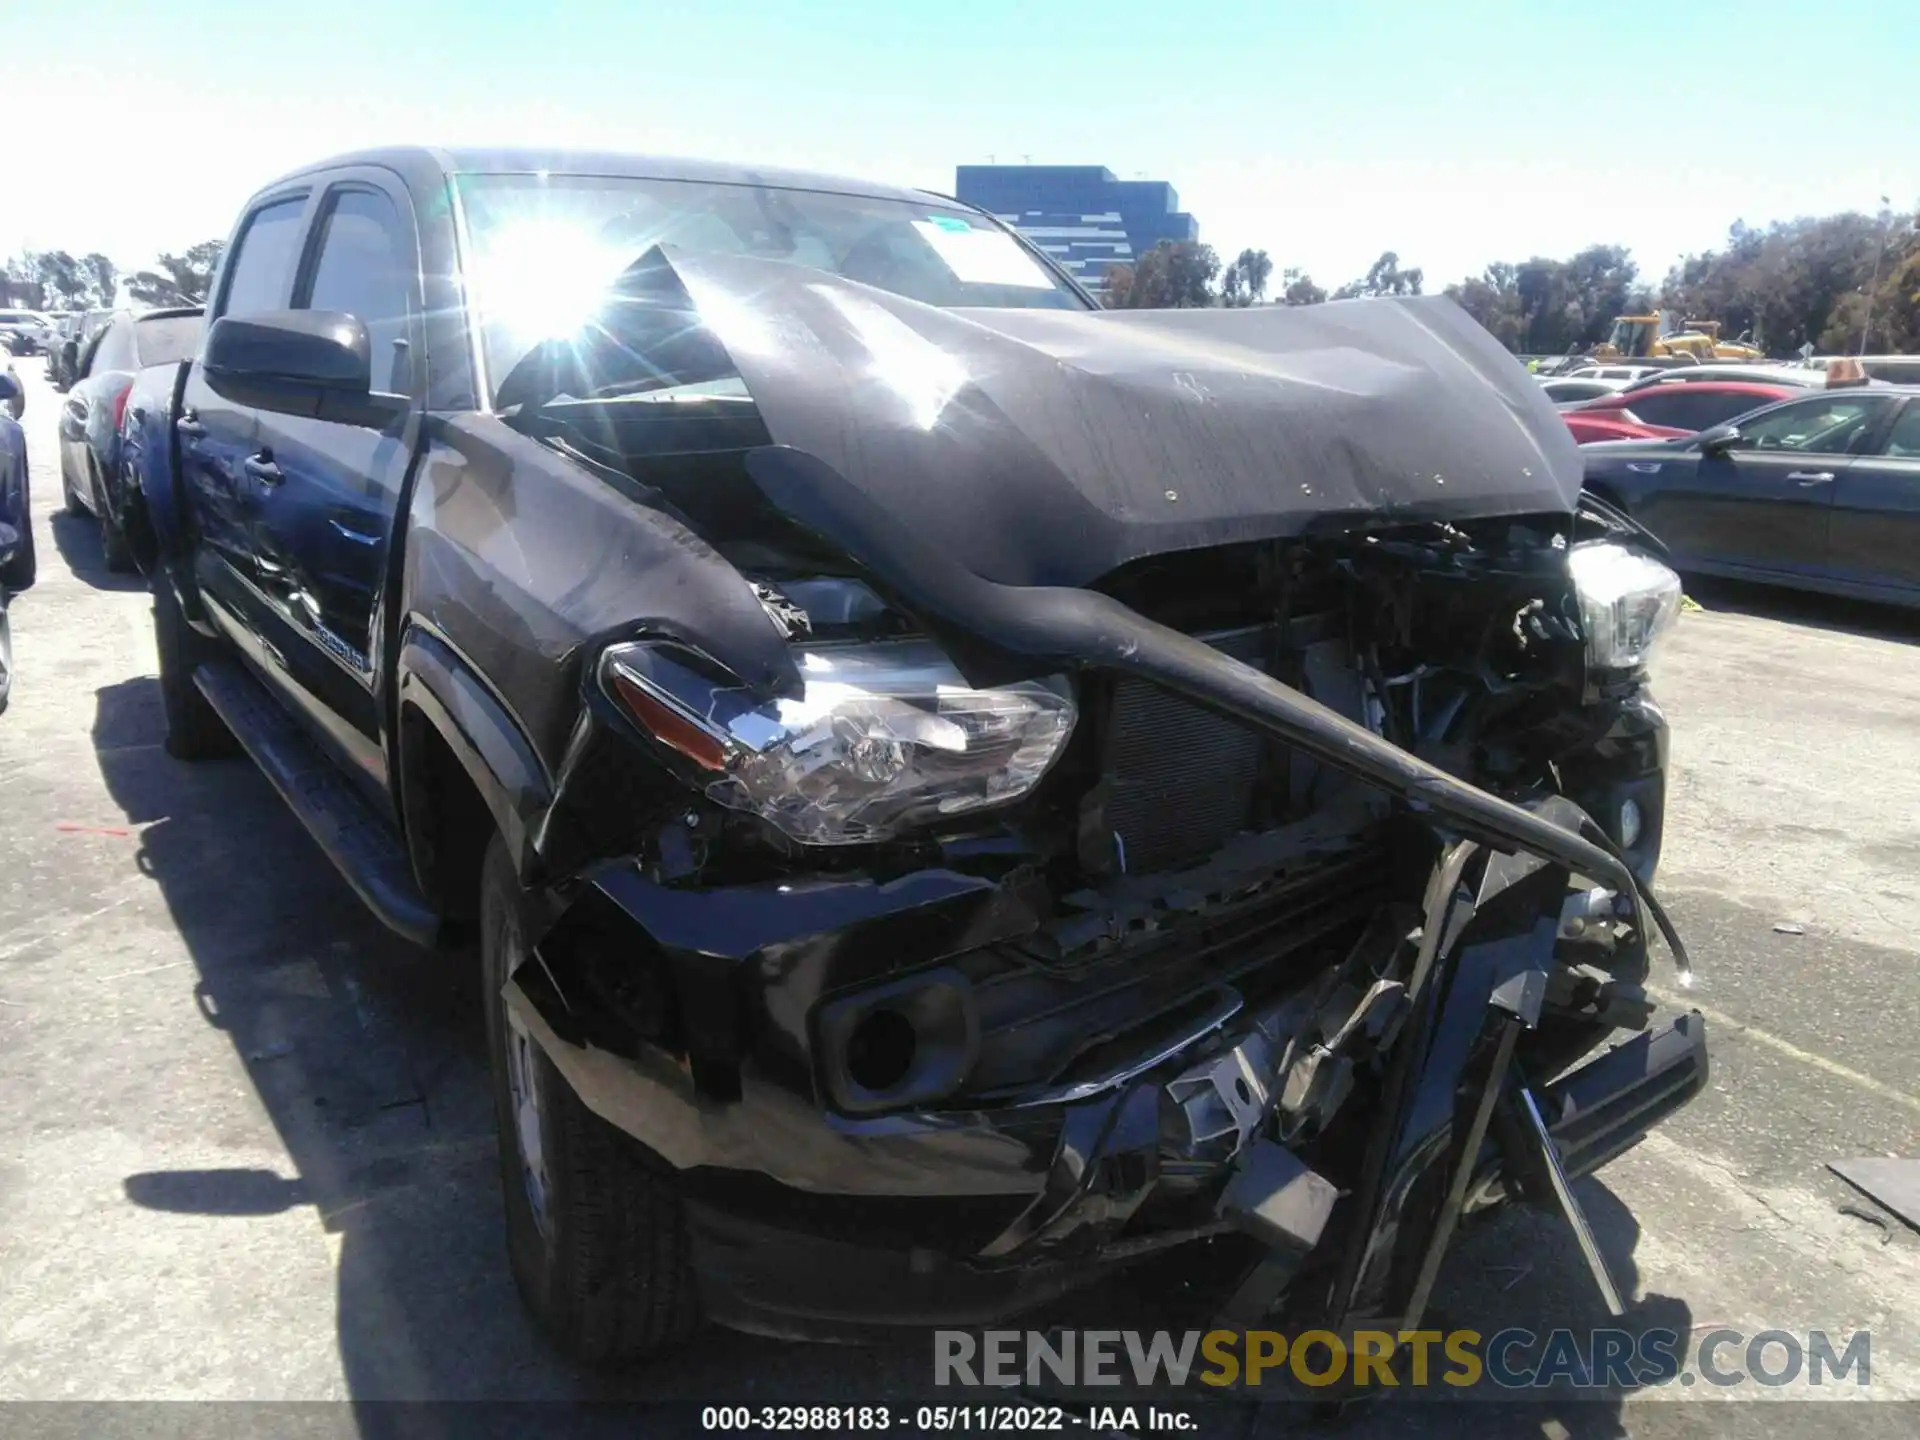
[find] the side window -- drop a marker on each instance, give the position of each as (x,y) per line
(1904,442)
(114,349)
(365,270)
(261,270)
(1657,407)
(1710,409)
(93,355)
(1826,425)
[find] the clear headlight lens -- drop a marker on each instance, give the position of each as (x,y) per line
(1627,601)
(885,738)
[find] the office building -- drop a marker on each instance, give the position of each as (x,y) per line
(1081,215)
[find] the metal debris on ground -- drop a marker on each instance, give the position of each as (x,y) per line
(1860,1212)
(1892,1183)
(1787,927)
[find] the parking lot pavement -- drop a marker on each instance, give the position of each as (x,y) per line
(245,1146)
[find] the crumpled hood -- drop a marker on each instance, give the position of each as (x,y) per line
(1048,447)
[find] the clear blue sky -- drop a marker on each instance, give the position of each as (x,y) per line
(1454,133)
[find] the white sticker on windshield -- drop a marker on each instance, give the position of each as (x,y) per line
(982,257)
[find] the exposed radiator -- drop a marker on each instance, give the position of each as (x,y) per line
(1180,779)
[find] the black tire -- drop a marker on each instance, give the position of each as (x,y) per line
(23,568)
(6,655)
(195,730)
(75,506)
(603,1265)
(113,544)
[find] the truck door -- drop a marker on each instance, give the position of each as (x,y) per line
(330,492)
(216,435)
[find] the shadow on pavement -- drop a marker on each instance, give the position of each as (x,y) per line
(1805,608)
(77,537)
(366,1055)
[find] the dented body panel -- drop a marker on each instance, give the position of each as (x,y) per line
(1320,552)
(1118,434)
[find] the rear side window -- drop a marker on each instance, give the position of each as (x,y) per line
(114,350)
(1904,442)
(261,271)
(165,340)
(364,271)
(1688,407)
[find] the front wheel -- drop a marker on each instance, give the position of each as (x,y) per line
(75,505)
(195,730)
(113,543)
(6,653)
(595,1230)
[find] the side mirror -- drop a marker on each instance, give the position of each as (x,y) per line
(1719,439)
(314,363)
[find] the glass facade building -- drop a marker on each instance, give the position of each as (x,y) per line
(1081,215)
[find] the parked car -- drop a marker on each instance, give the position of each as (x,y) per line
(1820,492)
(1793,375)
(17,564)
(25,332)
(1661,412)
(1618,372)
(1577,391)
(91,415)
(70,343)
(801,649)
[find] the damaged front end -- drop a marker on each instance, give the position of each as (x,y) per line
(1273,869)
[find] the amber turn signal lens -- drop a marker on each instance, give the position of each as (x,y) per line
(669,727)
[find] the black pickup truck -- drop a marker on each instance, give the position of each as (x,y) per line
(953,789)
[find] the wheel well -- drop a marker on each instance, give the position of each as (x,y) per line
(448,823)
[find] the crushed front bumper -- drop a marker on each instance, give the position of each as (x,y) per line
(808,1220)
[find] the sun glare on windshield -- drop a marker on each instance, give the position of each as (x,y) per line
(542,277)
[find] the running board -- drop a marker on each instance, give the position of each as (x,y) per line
(360,842)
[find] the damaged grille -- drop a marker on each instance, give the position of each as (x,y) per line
(1050,1021)
(1180,779)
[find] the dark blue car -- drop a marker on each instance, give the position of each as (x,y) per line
(16,534)
(1821,492)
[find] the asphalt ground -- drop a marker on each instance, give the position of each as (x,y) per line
(246,1150)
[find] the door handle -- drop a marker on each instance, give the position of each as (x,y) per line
(358,537)
(189,424)
(262,468)
(1811,477)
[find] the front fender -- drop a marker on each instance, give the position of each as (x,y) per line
(490,746)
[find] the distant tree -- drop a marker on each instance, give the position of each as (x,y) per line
(1174,275)
(1300,289)
(1117,287)
(1244,282)
(179,279)
(1493,298)
(103,280)
(1383,277)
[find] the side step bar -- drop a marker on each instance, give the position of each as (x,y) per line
(356,838)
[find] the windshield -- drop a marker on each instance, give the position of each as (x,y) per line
(541,252)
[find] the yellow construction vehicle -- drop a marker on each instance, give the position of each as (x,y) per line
(1644,337)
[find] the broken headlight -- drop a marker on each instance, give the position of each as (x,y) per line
(1627,601)
(885,738)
